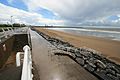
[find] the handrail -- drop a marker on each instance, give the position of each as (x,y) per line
(27,63)
(7,33)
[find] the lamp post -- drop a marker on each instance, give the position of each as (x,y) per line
(11,21)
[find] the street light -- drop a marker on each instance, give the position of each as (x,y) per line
(11,21)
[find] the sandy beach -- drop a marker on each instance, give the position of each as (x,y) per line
(106,47)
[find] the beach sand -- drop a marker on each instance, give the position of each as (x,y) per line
(108,48)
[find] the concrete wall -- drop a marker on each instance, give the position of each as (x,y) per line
(20,41)
(14,43)
(6,49)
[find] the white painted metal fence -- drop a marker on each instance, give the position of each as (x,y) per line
(6,32)
(27,63)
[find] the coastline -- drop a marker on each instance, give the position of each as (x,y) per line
(108,48)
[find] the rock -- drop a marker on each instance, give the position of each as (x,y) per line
(72,55)
(109,71)
(118,75)
(89,68)
(78,54)
(91,63)
(100,64)
(80,61)
(112,77)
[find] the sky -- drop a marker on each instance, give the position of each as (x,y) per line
(61,12)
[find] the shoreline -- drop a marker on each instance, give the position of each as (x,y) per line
(87,58)
(111,35)
(108,48)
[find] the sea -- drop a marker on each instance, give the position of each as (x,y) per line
(112,33)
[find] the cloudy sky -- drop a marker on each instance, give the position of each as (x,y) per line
(61,12)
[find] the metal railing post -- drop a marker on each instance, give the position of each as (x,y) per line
(27,64)
(18,58)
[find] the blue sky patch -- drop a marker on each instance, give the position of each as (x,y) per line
(4,2)
(16,4)
(114,17)
(46,13)
(20,5)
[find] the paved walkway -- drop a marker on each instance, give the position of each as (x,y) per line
(53,67)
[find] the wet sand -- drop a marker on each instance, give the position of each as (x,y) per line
(108,48)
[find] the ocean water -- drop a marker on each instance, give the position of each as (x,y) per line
(104,33)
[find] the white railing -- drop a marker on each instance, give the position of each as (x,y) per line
(21,30)
(5,34)
(27,63)
(18,60)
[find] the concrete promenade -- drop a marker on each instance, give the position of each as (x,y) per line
(54,67)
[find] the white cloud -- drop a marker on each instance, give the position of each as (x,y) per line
(24,16)
(76,11)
